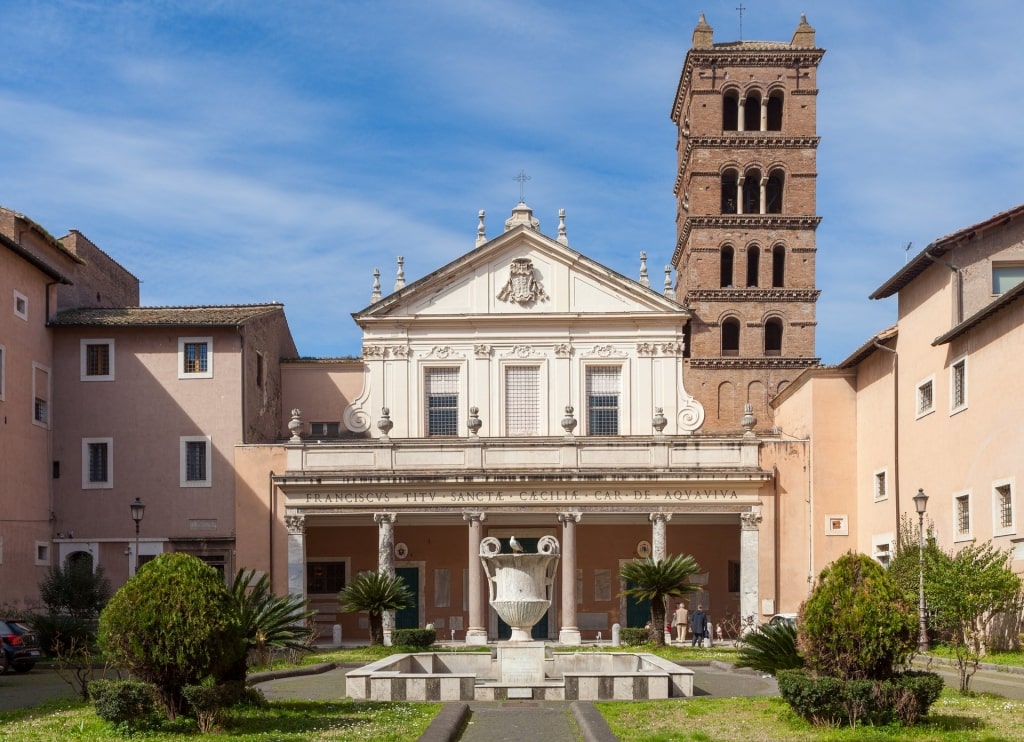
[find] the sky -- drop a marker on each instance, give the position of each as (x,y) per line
(246,151)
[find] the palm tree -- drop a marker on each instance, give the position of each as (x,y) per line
(657,581)
(770,648)
(375,593)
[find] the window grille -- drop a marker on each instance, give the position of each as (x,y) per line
(522,400)
(924,398)
(442,385)
(195,357)
(98,463)
(959,384)
(40,410)
(880,486)
(325,430)
(603,390)
(195,461)
(963,515)
(1005,504)
(97,360)
(325,577)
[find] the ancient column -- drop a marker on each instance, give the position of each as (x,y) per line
(764,114)
(476,632)
(748,564)
(296,524)
(739,193)
(569,632)
(764,195)
(741,112)
(659,537)
(386,560)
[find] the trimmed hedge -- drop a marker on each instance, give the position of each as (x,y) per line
(413,637)
(130,705)
(828,701)
(634,637)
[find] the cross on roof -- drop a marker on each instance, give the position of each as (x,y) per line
(740,8)
(522,177)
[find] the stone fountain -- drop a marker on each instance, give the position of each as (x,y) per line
(521,587)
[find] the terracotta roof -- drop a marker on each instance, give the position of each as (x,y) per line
(34,259)
(751,46)
(213,316)
(941,246)
(980,316)
(868,348)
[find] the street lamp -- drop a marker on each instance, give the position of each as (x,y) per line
(920,503)
(138,510)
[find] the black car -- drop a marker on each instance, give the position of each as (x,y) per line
(21,647)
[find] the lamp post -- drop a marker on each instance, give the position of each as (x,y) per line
(138,511)
(920,503)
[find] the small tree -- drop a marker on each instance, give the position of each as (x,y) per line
(966,591)
(375,593)
(856,624)
(76,589)
(657,581)
(171,625)
(770,648)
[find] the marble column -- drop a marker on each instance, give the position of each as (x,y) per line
(659,536)
(296,525)
(386,560)
(476,632)
(569,632)
(739,193)
(749,523)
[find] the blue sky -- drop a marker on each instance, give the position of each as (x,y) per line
(243,151)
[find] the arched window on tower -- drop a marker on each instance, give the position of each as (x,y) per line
(730,110)
(775,100)
(753,264)
(731,337)
(752,112)
(773,192)
(726,267)
(729,180)
(752,192)
(778,267)
(773,337)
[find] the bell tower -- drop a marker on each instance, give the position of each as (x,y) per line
(746,218)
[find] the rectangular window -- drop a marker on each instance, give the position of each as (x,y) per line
(20,305)
(40,395)
(604,384)
(325,578)
(325,430)
(1002,508)
(195,461)
(1006,276)
(442,391)
(522,400)
(97,360)
(958,386)
(195,358)
(881,548)
(42,554)
(881,485)
(926,397)
(97,463)
(962,516)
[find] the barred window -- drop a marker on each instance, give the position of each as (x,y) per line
(41,410)
(604,385)
(1004,505)
(958,385)
(442,391)
(522,400)
(881,486)
(963,515)
(97,359)
(195,461)
(325,577)
(925,397)
(98,463)
(195,358)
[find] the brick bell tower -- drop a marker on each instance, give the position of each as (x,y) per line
(745,219)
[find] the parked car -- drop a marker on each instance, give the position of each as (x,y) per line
(20,645)
(778,618)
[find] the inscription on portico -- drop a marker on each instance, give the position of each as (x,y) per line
(621,496)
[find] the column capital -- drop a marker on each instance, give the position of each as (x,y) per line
(750,521)
(662,517)
(385,517)
(474,516)
(573,516)
(295,523)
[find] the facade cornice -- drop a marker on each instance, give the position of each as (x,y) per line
(752,294)
(771,362)
(740,221)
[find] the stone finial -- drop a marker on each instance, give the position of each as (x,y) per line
(384,425)
(295,425)
(804,35)
(562,236)
(522,215)
(375,294)
(659,421)
(668,281)
(569,421)
(474,423)
(481,230)
(749,420)
(400,276)
(643,269)
(702,34)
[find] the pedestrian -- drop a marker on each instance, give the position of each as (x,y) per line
(699,626)
(680,619)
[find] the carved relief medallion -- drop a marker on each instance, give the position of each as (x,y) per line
(522,286)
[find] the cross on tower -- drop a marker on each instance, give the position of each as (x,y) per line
(740,8)
(522,177)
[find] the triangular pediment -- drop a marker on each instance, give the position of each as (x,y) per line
(521,273)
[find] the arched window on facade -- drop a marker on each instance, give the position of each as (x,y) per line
(731,337)
(726,267)
(752,112)
(773,337)
(752,192)
(730,110)
(753,264)
(726,400)
(79,559)
(729,180)
(775,100)
(773,192)
(778,266)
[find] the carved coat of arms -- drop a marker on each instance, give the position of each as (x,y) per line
(522,286)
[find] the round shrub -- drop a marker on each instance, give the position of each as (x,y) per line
(856,624)
(127,704)
(172,625)
(419,638)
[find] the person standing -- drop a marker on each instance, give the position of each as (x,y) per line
(682,617)
(699,626)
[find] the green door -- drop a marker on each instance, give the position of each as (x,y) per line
(409,618)
(638,612)
(540,629)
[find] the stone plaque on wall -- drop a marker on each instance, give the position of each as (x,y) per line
(602,584)
(442,588)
